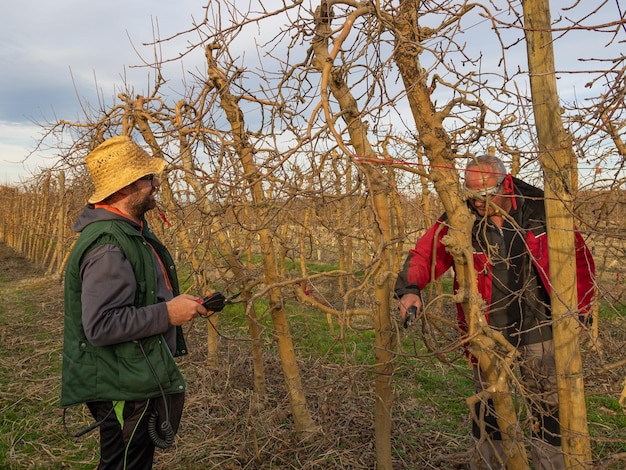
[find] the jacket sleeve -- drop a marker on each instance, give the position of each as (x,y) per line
(585,274)
(424,263)
(108,295)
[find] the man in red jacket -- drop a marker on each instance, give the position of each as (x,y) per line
(510,248)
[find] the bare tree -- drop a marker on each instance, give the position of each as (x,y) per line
(311,150)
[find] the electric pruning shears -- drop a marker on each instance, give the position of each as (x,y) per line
(216,302)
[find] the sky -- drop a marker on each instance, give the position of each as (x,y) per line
(54,56)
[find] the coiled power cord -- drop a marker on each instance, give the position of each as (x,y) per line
(163,437)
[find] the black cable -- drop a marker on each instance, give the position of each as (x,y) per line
(89,428)
(166,427)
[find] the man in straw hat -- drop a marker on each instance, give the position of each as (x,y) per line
(123,312)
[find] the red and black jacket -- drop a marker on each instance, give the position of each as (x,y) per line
(429,259)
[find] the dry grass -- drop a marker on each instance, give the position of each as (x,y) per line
(225,426)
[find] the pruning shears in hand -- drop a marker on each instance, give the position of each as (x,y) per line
(410,315)
(217,301)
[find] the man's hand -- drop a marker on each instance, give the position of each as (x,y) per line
(183,308)
(406,302)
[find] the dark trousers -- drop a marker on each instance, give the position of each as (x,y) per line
(538,373)
(124,443)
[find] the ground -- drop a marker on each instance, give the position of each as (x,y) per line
(225,426)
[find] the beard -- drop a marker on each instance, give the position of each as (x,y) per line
(139,202)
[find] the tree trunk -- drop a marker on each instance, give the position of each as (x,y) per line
(490,349)
(59,245)
(382,207)
(302,417)
(560,173)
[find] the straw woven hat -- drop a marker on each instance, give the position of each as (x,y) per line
(118,162)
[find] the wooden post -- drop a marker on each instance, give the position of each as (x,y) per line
(560,173)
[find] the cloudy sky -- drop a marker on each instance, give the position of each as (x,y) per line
(55,55)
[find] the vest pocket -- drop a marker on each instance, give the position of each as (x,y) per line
(79,375)
(141,372)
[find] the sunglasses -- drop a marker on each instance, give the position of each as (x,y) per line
(482,194)
(149,177)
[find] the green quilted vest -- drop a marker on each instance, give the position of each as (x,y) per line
(117,372)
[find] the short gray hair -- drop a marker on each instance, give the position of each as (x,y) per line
(493,162)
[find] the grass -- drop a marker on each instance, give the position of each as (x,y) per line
(429,392)
(225,428)
(30,368)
